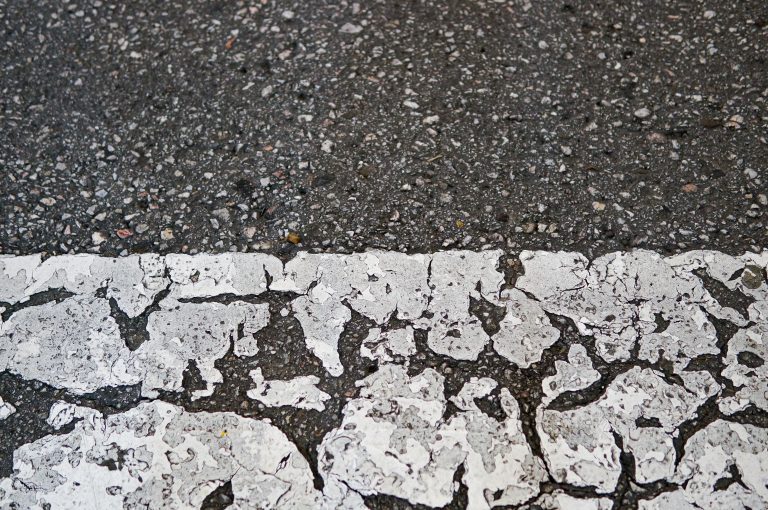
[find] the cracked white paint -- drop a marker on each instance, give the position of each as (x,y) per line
(300,392)
(394,439)
(384,346)
(455,278)
(157,455)
(579,444)
(402,435)
(377,285)
(525,332)
(575,374)
(617,299)
(207,275)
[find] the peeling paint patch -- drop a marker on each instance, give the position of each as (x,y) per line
(384,346)
(300,392)
(747,363)
(455,277)
(6,409)
(525,332)
(394,440)
(199,332)
(580,445)
(158,455)
(74,344)
(378,285)
(575,374)
(724,451)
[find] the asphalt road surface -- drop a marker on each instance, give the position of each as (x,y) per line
(558,215)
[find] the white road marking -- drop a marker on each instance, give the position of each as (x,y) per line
(401,435)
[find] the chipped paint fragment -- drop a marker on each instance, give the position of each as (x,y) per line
(6,409)
(299,392)
(525,332)
(575,374)
(384,346)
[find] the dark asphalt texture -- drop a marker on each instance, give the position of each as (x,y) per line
(415,126)
(412,126)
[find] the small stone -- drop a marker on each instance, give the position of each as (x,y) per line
(528,228)
(48,201)
(293,238)
(124,233)
(98,237)
(365,171)
(598,206)
(689,188)
(735,121)
(350,28)
(753,277)
(643,113)
(166,234)
(432,119)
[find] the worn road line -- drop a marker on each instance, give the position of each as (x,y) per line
(487,379)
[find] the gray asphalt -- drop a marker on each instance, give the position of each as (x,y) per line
(411,126)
